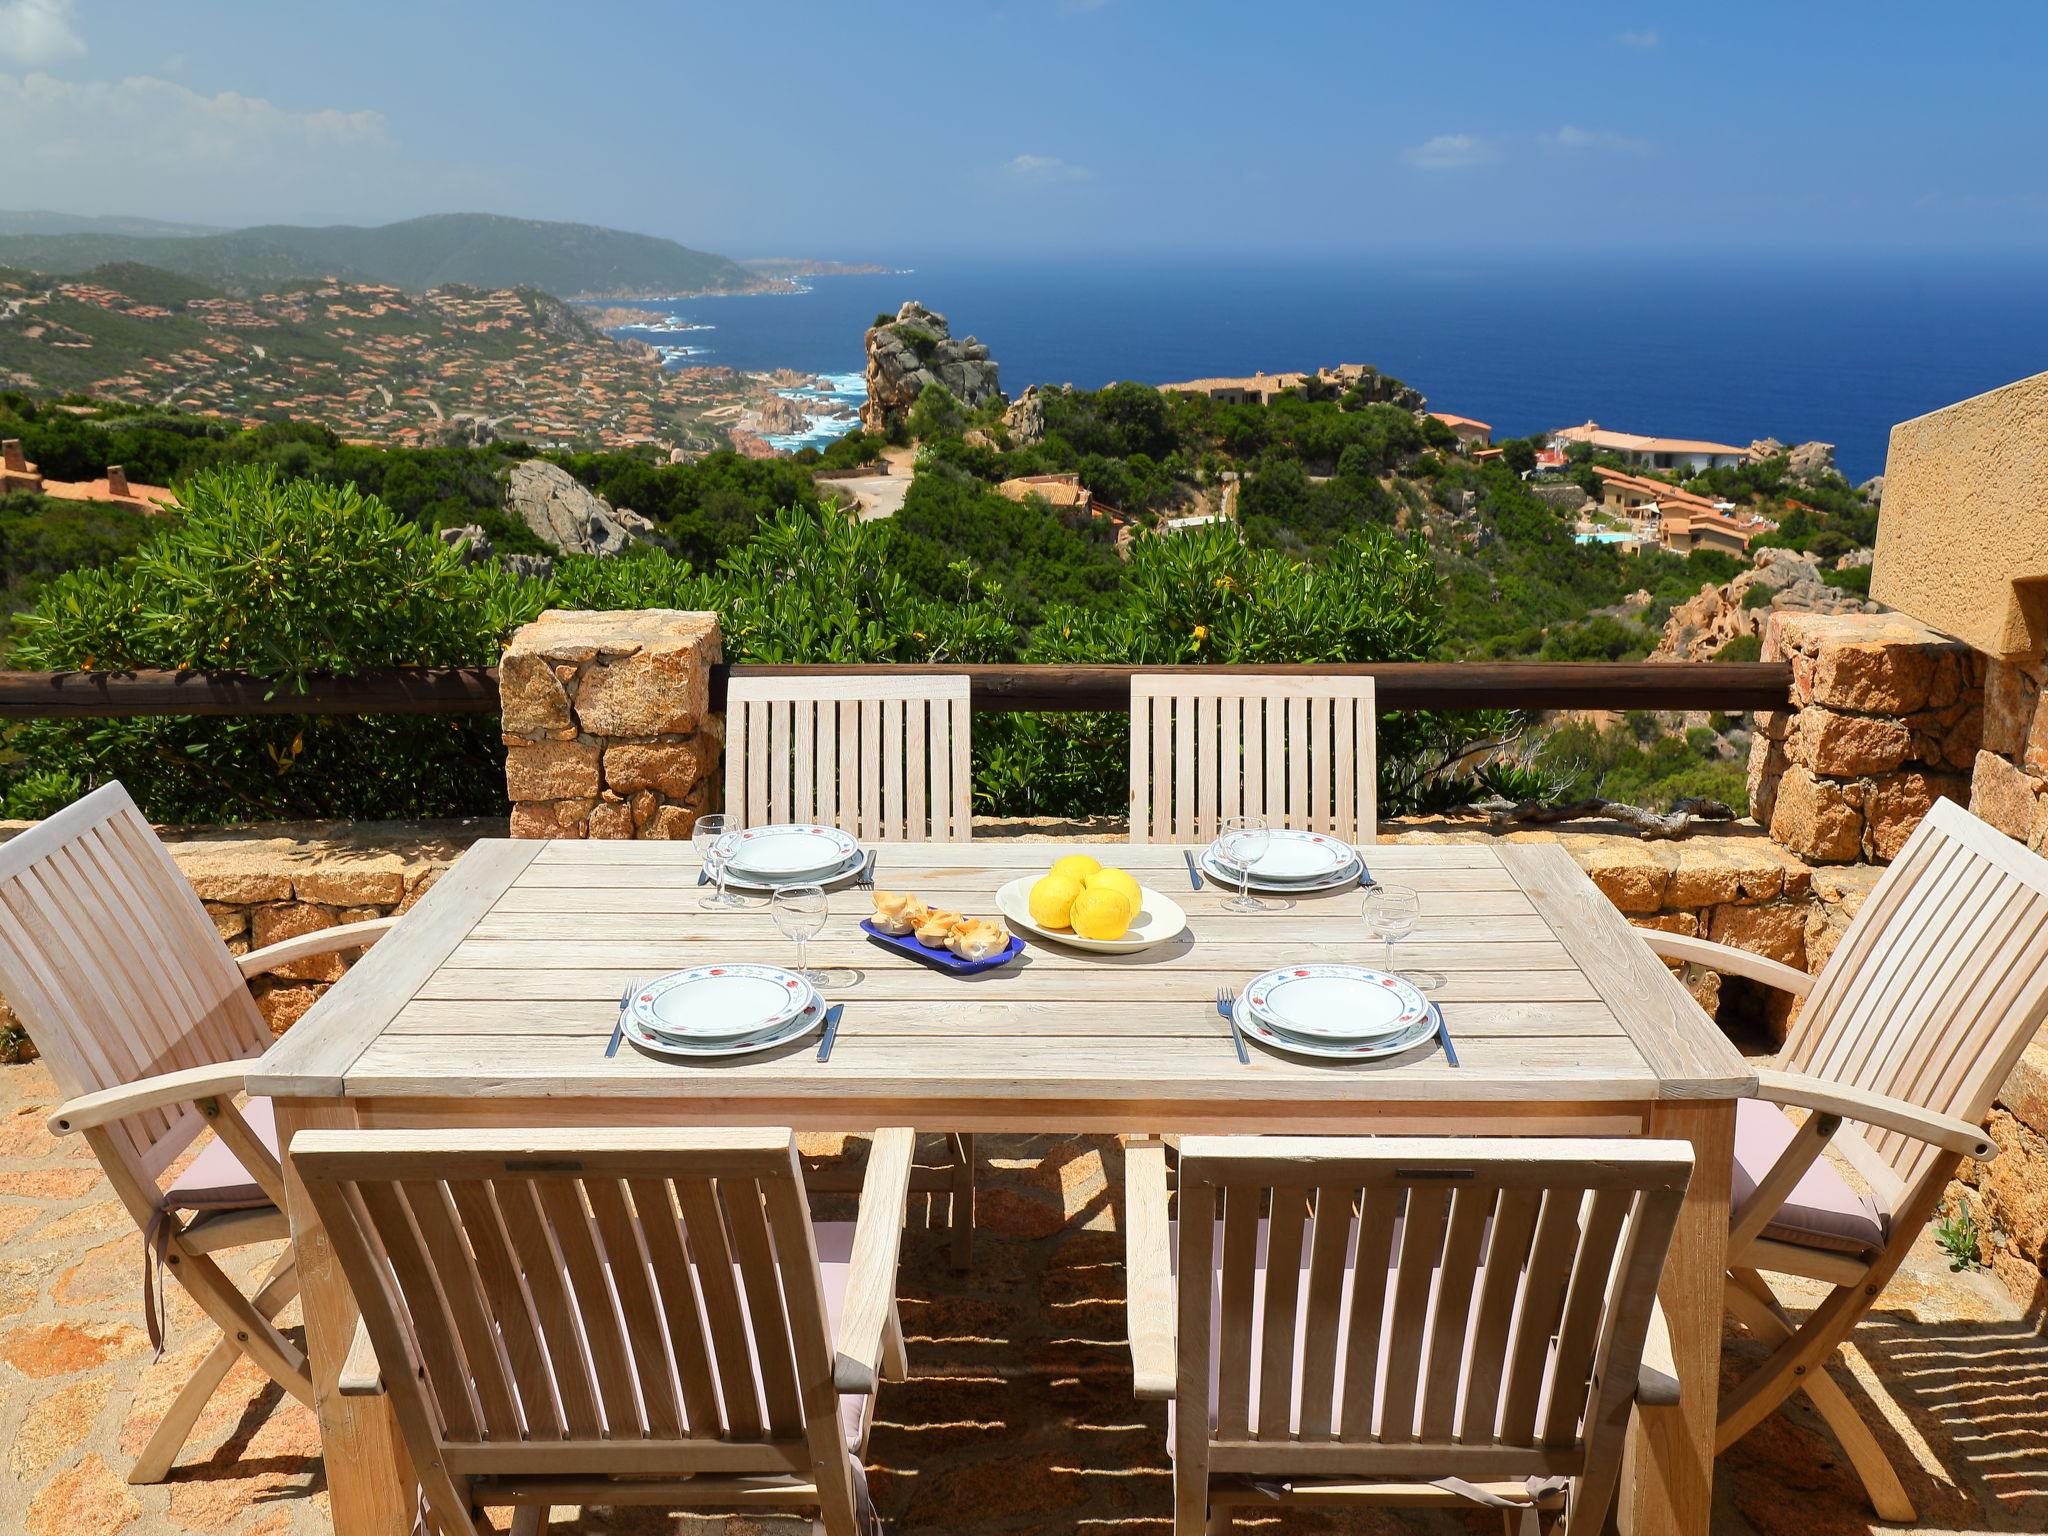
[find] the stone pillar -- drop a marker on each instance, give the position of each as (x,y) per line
(11,456)
(608,724)
(117,480)
(1886,718)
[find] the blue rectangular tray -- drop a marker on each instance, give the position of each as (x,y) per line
(940,959)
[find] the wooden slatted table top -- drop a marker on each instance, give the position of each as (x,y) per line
(504,984)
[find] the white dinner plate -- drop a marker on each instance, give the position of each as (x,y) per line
(786,851)
(1159,919)
(796,1027)
(1293,856)
(735,881)
(719,1003)
(1229,879)
(1331,1004)
(1347,1050)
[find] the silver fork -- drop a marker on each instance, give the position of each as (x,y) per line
(1226,1004)
(866,882)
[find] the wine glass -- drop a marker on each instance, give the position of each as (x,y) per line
(717,838)
(1245,841)
(1390,912)
(799,911)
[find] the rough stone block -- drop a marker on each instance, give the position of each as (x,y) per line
(1896,803)
(1848,746)
(2010,691)
(670,823)
(1767,764)
(1628,873)
(1816,819)
(2007,797)
(611,819)
(1710,876)
(531,698)
(671,769)
(1777,931)
(271,925)
(552,770)
(2025,1094)
(229,922)
(374,880)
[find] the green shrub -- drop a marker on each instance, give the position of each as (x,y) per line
(1742,648)
(287,579)
(1757,596)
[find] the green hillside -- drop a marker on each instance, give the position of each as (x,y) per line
(478,250)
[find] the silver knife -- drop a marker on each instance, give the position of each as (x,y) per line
(619,1029)
(831,1030)
(1194,874)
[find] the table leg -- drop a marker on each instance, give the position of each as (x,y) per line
(370,1484)
(1668,1470)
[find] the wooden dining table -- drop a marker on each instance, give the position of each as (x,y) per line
(492,1001)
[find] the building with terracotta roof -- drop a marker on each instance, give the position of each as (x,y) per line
(1264,388)
(1471,432)
(1676,518)
(1686,454)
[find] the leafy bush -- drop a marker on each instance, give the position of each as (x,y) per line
(1742,648)
(1758,596)
(287,579)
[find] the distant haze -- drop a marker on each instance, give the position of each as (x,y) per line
(1024,128)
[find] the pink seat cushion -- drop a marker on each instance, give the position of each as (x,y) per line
(835,1247)
(216,1179)
(1822,1211)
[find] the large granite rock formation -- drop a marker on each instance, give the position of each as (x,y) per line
(575,521)
(915,349)
(1025,419)
(1701,625)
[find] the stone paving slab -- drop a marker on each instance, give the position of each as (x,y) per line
(1018,1417)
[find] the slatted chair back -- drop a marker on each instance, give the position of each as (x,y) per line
(1476,1307)
(612,1303)
(1296,750)
(1934,990)
(879,757)
(110,960)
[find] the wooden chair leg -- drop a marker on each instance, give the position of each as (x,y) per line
(1219,1520)
(280,1285)
(1754,1305)
(283,1361)
(529,1520)
(963,1201)
(1190,1500)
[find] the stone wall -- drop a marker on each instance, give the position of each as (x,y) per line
(608,724)
(1886,718)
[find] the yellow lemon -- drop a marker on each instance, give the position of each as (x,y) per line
(1076,866)
(1114,879)
(1052,900)
(1103,912)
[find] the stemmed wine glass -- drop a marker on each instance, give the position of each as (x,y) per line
(1245,841)
(717,838)
(800,911)
(1390,912)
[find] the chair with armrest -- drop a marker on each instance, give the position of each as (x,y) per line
(1904,1039)
(886,759)
(1401,1321)
(615,1316)
(146,1022)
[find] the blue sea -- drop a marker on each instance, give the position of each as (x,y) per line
(1794,347)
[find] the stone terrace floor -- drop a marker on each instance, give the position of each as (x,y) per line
(1018,1417)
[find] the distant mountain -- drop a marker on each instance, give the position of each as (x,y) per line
(478,250)
(40,221)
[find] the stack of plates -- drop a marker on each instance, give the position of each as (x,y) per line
(792,854)
(1294,861)
(722,1010)
(1344,1011)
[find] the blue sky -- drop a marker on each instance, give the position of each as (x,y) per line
(1051,127)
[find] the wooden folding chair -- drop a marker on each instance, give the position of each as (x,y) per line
(615,1316)
(1904,1040)
(1298,751)
(1401,1321)
(147,1025)
(887,759)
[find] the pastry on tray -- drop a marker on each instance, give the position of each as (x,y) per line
(899,912)
(978,939)
(937,927)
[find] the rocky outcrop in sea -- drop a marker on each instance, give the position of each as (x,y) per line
(915,349)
